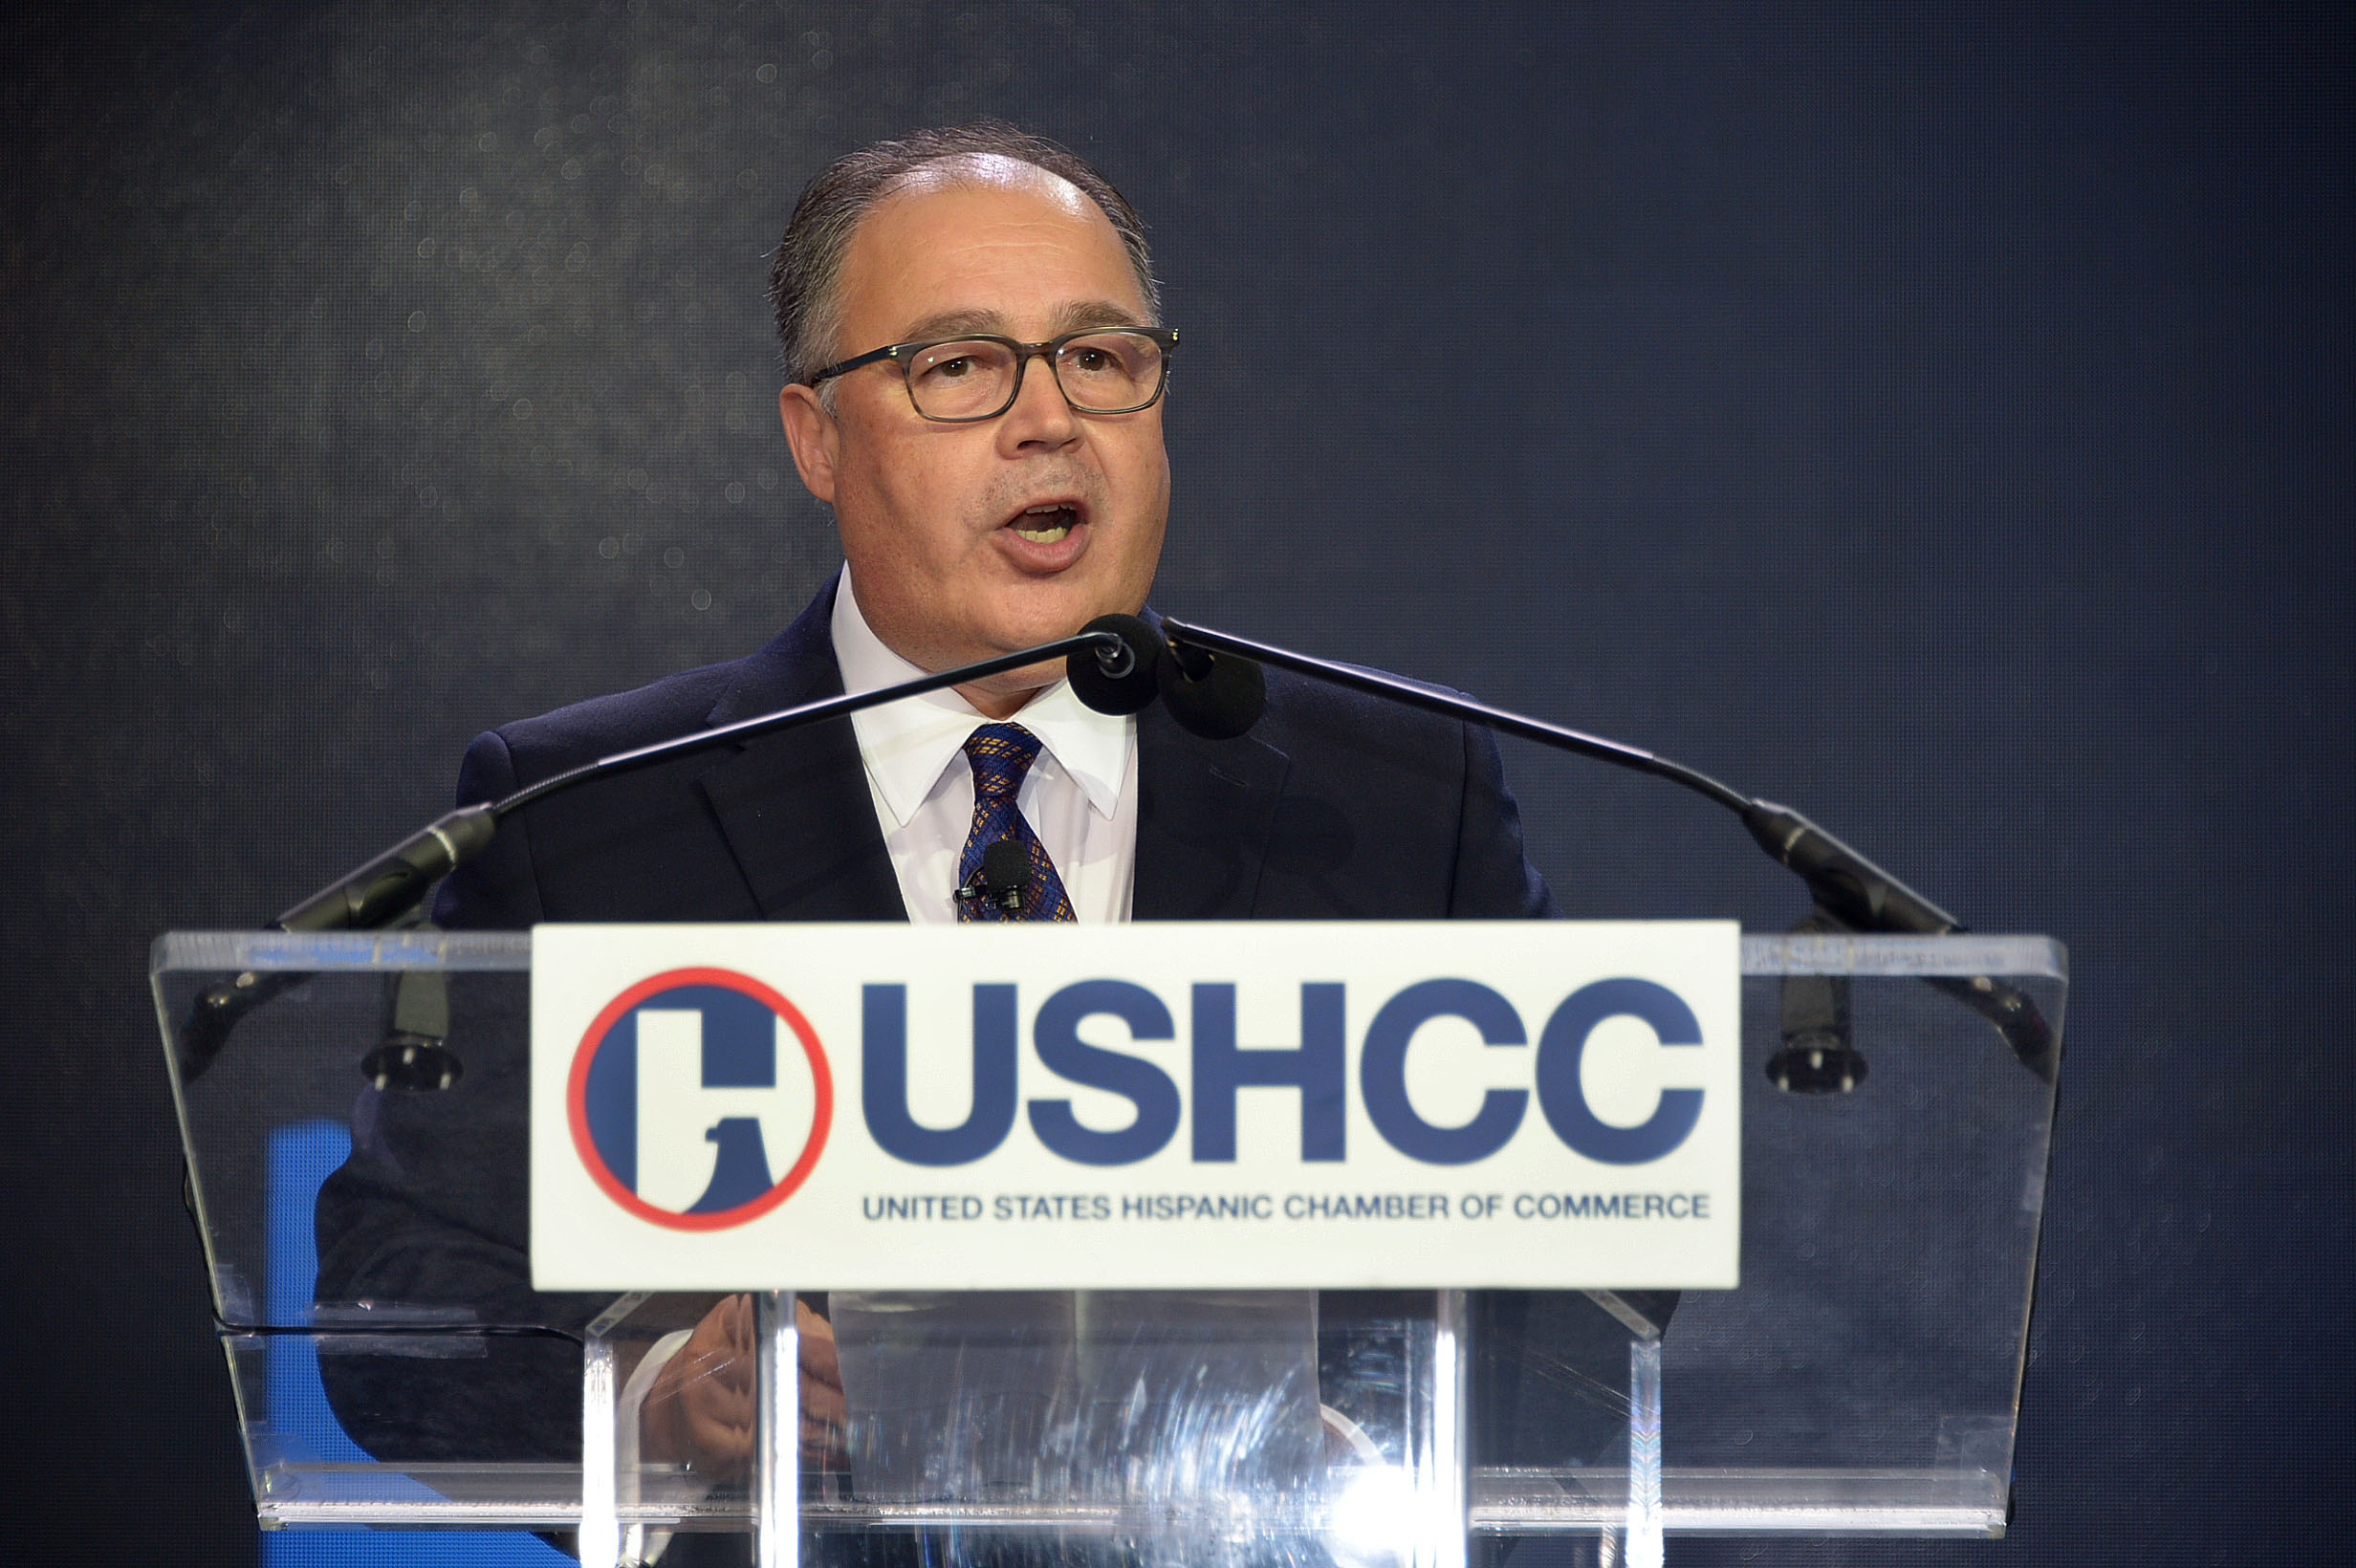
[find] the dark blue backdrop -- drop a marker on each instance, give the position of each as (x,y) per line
(1936,417)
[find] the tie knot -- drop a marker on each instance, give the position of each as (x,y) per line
(1001,753)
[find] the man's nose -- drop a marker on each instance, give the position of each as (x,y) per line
(1041,414)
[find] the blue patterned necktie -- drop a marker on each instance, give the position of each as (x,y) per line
(1001,753)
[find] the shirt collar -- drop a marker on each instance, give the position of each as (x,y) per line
(906,744)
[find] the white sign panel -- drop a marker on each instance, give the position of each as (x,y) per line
(1517,1104)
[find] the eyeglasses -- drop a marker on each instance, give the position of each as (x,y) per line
(957,381)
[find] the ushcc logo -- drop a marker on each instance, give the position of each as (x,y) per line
(700,1099)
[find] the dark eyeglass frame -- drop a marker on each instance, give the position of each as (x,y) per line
(901,354)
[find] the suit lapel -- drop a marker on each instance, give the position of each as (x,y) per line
(1205,812)
(794,807)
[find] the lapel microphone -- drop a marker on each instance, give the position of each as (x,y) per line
(1002,877)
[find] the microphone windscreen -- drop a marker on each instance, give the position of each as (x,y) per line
(1221,698)
(1005,865)
(1122,682)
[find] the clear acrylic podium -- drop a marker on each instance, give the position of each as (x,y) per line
(1863,1380)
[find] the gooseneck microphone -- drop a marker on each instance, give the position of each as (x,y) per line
(1851,892)
(1111,663)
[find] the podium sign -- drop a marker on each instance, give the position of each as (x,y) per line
(1531,1105)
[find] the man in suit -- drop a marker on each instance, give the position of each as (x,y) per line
(970,528)
(977,367)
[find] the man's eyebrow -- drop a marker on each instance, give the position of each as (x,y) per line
(1078,316)
(952,323)
(1098,312)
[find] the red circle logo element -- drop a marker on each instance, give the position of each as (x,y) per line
(584,1057)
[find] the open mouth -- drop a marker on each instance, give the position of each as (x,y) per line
(1047,523)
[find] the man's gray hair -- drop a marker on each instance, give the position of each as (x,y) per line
(805,275)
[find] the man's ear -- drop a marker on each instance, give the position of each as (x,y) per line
(815,437)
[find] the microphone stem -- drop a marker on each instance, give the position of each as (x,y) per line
(390,886)
(1499,719)
(828,707)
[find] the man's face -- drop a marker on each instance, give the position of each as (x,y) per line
(953,556)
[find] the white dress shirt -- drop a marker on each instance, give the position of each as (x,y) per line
(1080,796)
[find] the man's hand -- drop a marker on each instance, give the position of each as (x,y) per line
(700,1411)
